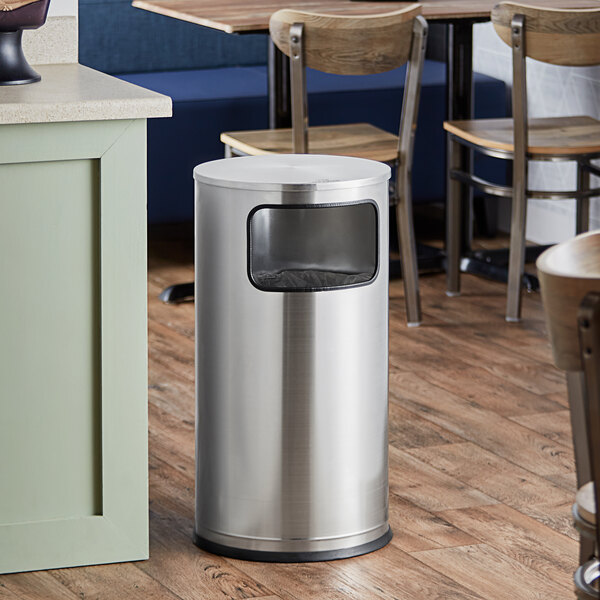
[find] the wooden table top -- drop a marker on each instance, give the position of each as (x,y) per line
(245,16)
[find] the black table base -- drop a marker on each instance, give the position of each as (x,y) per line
(178,293)
(493,264)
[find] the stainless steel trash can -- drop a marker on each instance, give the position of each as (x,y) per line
(291,357)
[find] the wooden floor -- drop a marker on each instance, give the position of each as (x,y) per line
(481,467)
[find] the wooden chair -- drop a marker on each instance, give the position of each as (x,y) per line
(352,46)
(560,37)
(570,283)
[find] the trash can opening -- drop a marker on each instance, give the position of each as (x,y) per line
(312,247)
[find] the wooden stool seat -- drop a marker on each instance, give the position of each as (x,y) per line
(585,502)
(567,272)
(557,135)
(361,140)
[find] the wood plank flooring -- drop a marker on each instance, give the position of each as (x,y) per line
(481,467)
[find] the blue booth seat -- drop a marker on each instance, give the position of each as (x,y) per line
(209,101)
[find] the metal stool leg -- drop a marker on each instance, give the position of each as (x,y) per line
(586,581)
(576,390)
(588,574)
(586,549)
(583,204)
(453,221)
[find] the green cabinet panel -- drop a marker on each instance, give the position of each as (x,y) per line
(73,349)
(49,372)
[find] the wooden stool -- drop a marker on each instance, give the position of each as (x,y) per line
(570,283)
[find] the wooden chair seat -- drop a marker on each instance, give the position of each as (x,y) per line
(361,140)
(585,502)
(558,135)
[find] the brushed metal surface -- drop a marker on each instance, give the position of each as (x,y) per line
(290,172)
(291,421)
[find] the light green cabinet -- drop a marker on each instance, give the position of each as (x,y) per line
(73,344)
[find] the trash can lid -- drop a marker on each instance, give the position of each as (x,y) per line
(292,172)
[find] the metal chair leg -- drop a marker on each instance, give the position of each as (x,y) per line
(227,151)
(453,221)
(583,204)
(408,250)
(516,257)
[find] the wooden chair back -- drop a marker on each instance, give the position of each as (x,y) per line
(567,273)
(556,36)
(348,45)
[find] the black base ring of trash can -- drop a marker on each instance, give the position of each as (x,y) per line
(291,557)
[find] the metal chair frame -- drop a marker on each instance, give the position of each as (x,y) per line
(401,195)
(457,177)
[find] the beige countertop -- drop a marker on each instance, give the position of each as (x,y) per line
(72,92)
